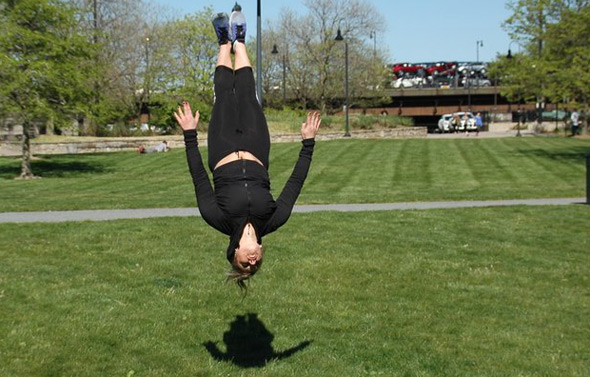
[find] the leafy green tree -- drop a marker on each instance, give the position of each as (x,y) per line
(41,65)
(554,65)
(182,67)
(568,54)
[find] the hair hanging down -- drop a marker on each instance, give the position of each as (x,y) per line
(239,277)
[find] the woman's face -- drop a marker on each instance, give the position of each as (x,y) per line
(248,256)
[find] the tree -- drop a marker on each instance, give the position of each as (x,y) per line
(184,60)
(568,52)
(554,64)
(41,65)
(316,59)
(122,31)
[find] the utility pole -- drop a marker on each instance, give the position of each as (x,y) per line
(258,57)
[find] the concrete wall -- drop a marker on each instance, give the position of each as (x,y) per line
(131,144)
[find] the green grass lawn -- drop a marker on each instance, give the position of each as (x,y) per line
(463,292)
(343,171)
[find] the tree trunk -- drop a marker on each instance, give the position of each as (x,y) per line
(50,126)
(26,172)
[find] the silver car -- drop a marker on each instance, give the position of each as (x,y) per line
(475,82)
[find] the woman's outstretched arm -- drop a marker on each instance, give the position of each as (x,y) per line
(288,197)
(206,201)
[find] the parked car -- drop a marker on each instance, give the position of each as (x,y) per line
(442,68)
(444,123)
(401,69)
(444,82)
(554,115)
(475,82)
(474,69)
(415,82)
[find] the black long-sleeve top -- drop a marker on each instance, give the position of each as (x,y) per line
(242,193)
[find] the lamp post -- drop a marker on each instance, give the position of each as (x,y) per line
(275,51)
(510,57)
(478,44)
(340,38)
(258,55)
(468,82)
(147,78)
(373,36)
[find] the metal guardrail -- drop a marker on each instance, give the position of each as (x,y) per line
(437,92)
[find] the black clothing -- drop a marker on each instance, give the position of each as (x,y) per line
(242,193)
(242,188)
(237,121)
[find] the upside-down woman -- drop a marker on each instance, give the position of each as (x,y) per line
(241,205)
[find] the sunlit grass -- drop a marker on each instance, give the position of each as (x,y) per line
(465,292)
(343,171)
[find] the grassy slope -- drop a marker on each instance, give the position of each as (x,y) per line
(344,171)
(465,292)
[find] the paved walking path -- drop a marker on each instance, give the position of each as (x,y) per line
(144,213)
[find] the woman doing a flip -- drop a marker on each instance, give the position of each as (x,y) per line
(241,206)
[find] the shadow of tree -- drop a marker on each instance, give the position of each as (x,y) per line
(572,154)
(249,344)
(53,168)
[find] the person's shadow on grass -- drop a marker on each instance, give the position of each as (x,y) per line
(248,344)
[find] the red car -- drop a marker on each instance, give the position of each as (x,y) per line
(407,68)
(442,68)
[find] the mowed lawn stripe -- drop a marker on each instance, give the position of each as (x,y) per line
(403,164)
(472,173)
(422,160)
(355,171)
(331,169)
(362,181)
(505,149)
(569,159)
(494,161)
(544,159)
(446,167)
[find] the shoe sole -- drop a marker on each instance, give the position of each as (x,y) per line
(222,20)
(231,28)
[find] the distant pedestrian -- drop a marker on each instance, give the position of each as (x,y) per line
(575,118)
(478,123)
(465,122)
(456,122)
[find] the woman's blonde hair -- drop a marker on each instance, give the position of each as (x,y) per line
(240,276)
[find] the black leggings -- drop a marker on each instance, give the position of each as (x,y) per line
(237,121)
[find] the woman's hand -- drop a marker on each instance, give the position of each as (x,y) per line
(310,128)
(185,118)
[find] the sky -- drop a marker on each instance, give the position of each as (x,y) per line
(415,31)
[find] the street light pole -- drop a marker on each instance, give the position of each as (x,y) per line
(468,83)
(478,44)
(275,51)
(518,121)
(346,103)
(258,56)
(373,36)
(284,78)
(147,77)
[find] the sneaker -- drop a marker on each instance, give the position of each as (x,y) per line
(221,25)
(238,24)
